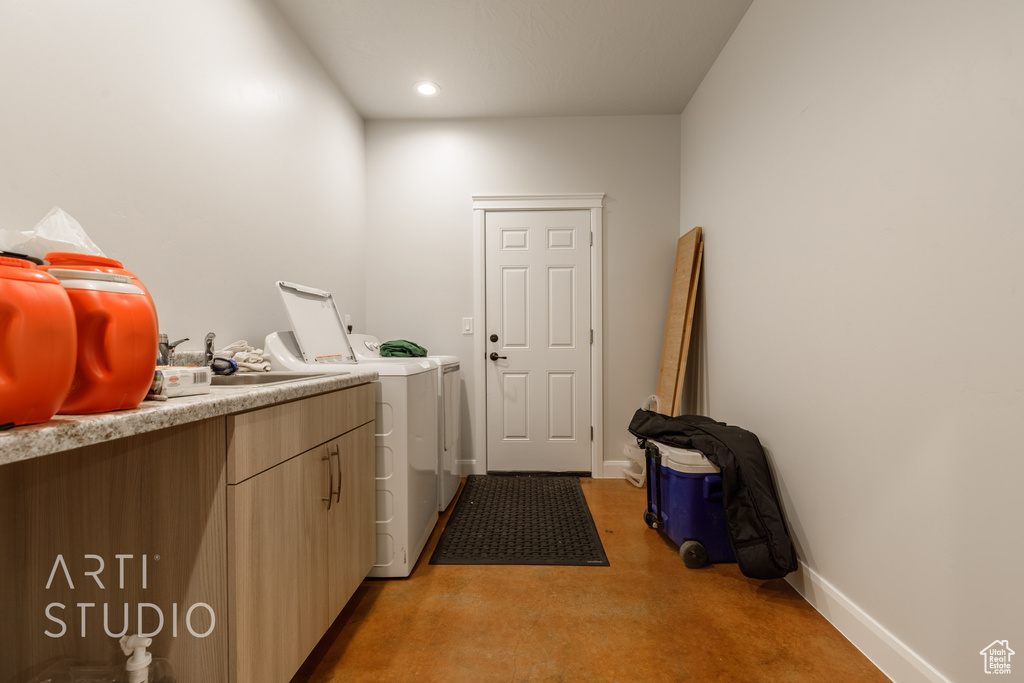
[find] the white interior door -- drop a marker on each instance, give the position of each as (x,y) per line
(537,281)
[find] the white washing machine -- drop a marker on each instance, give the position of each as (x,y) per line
(449,413)
(406,426)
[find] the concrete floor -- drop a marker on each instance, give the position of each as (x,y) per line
(644,618)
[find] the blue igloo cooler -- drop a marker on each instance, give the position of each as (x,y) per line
(684,491)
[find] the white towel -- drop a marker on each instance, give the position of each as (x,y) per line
(248,358)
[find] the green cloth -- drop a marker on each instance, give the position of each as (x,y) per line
(402,348)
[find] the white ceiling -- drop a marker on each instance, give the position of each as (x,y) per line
(516,57)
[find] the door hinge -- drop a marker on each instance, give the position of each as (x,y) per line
(591,432)
(591,336)
(591,238)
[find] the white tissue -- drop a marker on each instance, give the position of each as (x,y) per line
(57,231)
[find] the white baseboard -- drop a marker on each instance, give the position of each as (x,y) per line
(465,467)
(612,469)
(889,653)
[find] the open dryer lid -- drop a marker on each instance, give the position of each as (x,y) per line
(318,326)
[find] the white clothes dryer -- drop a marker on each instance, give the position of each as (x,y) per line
(406,422)
(449,413)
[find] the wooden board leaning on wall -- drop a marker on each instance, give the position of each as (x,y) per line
(679,323)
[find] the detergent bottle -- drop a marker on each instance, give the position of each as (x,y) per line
(141,667)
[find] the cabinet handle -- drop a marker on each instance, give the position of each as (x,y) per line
(330,482)
(337,452)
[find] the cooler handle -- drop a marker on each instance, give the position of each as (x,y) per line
(713,487)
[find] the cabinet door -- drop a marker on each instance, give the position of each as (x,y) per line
(352,524)
(149,511)
(278,567)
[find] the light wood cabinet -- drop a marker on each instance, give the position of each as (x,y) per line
(220,524)
(136,521)
(301,531)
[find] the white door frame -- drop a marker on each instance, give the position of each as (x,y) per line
(544,202)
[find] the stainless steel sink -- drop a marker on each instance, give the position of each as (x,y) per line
(244,379)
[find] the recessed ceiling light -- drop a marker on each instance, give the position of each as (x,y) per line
(427,89)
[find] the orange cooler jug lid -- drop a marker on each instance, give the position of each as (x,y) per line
(59,258)
(22,257)
(18,269)
(95,280)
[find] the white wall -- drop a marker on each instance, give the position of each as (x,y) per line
(858,169)
(422,176)
(198,142)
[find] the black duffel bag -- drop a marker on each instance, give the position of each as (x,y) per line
(753,515)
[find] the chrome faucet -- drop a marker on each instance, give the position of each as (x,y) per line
(209,348)
(165,349)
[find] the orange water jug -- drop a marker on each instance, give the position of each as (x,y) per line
(117,341)
(37,343)
(101,264)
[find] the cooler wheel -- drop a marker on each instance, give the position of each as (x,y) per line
(651,519)
(693,553)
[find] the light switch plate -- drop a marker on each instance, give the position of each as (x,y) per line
(467,326)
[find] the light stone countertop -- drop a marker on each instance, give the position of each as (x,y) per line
(65,432)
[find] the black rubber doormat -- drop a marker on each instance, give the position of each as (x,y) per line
(521,519)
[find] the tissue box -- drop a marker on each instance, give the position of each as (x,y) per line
(172,381)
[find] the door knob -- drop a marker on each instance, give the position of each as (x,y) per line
(494,337)
(495,356)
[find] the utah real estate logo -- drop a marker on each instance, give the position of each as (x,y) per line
(997,657)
